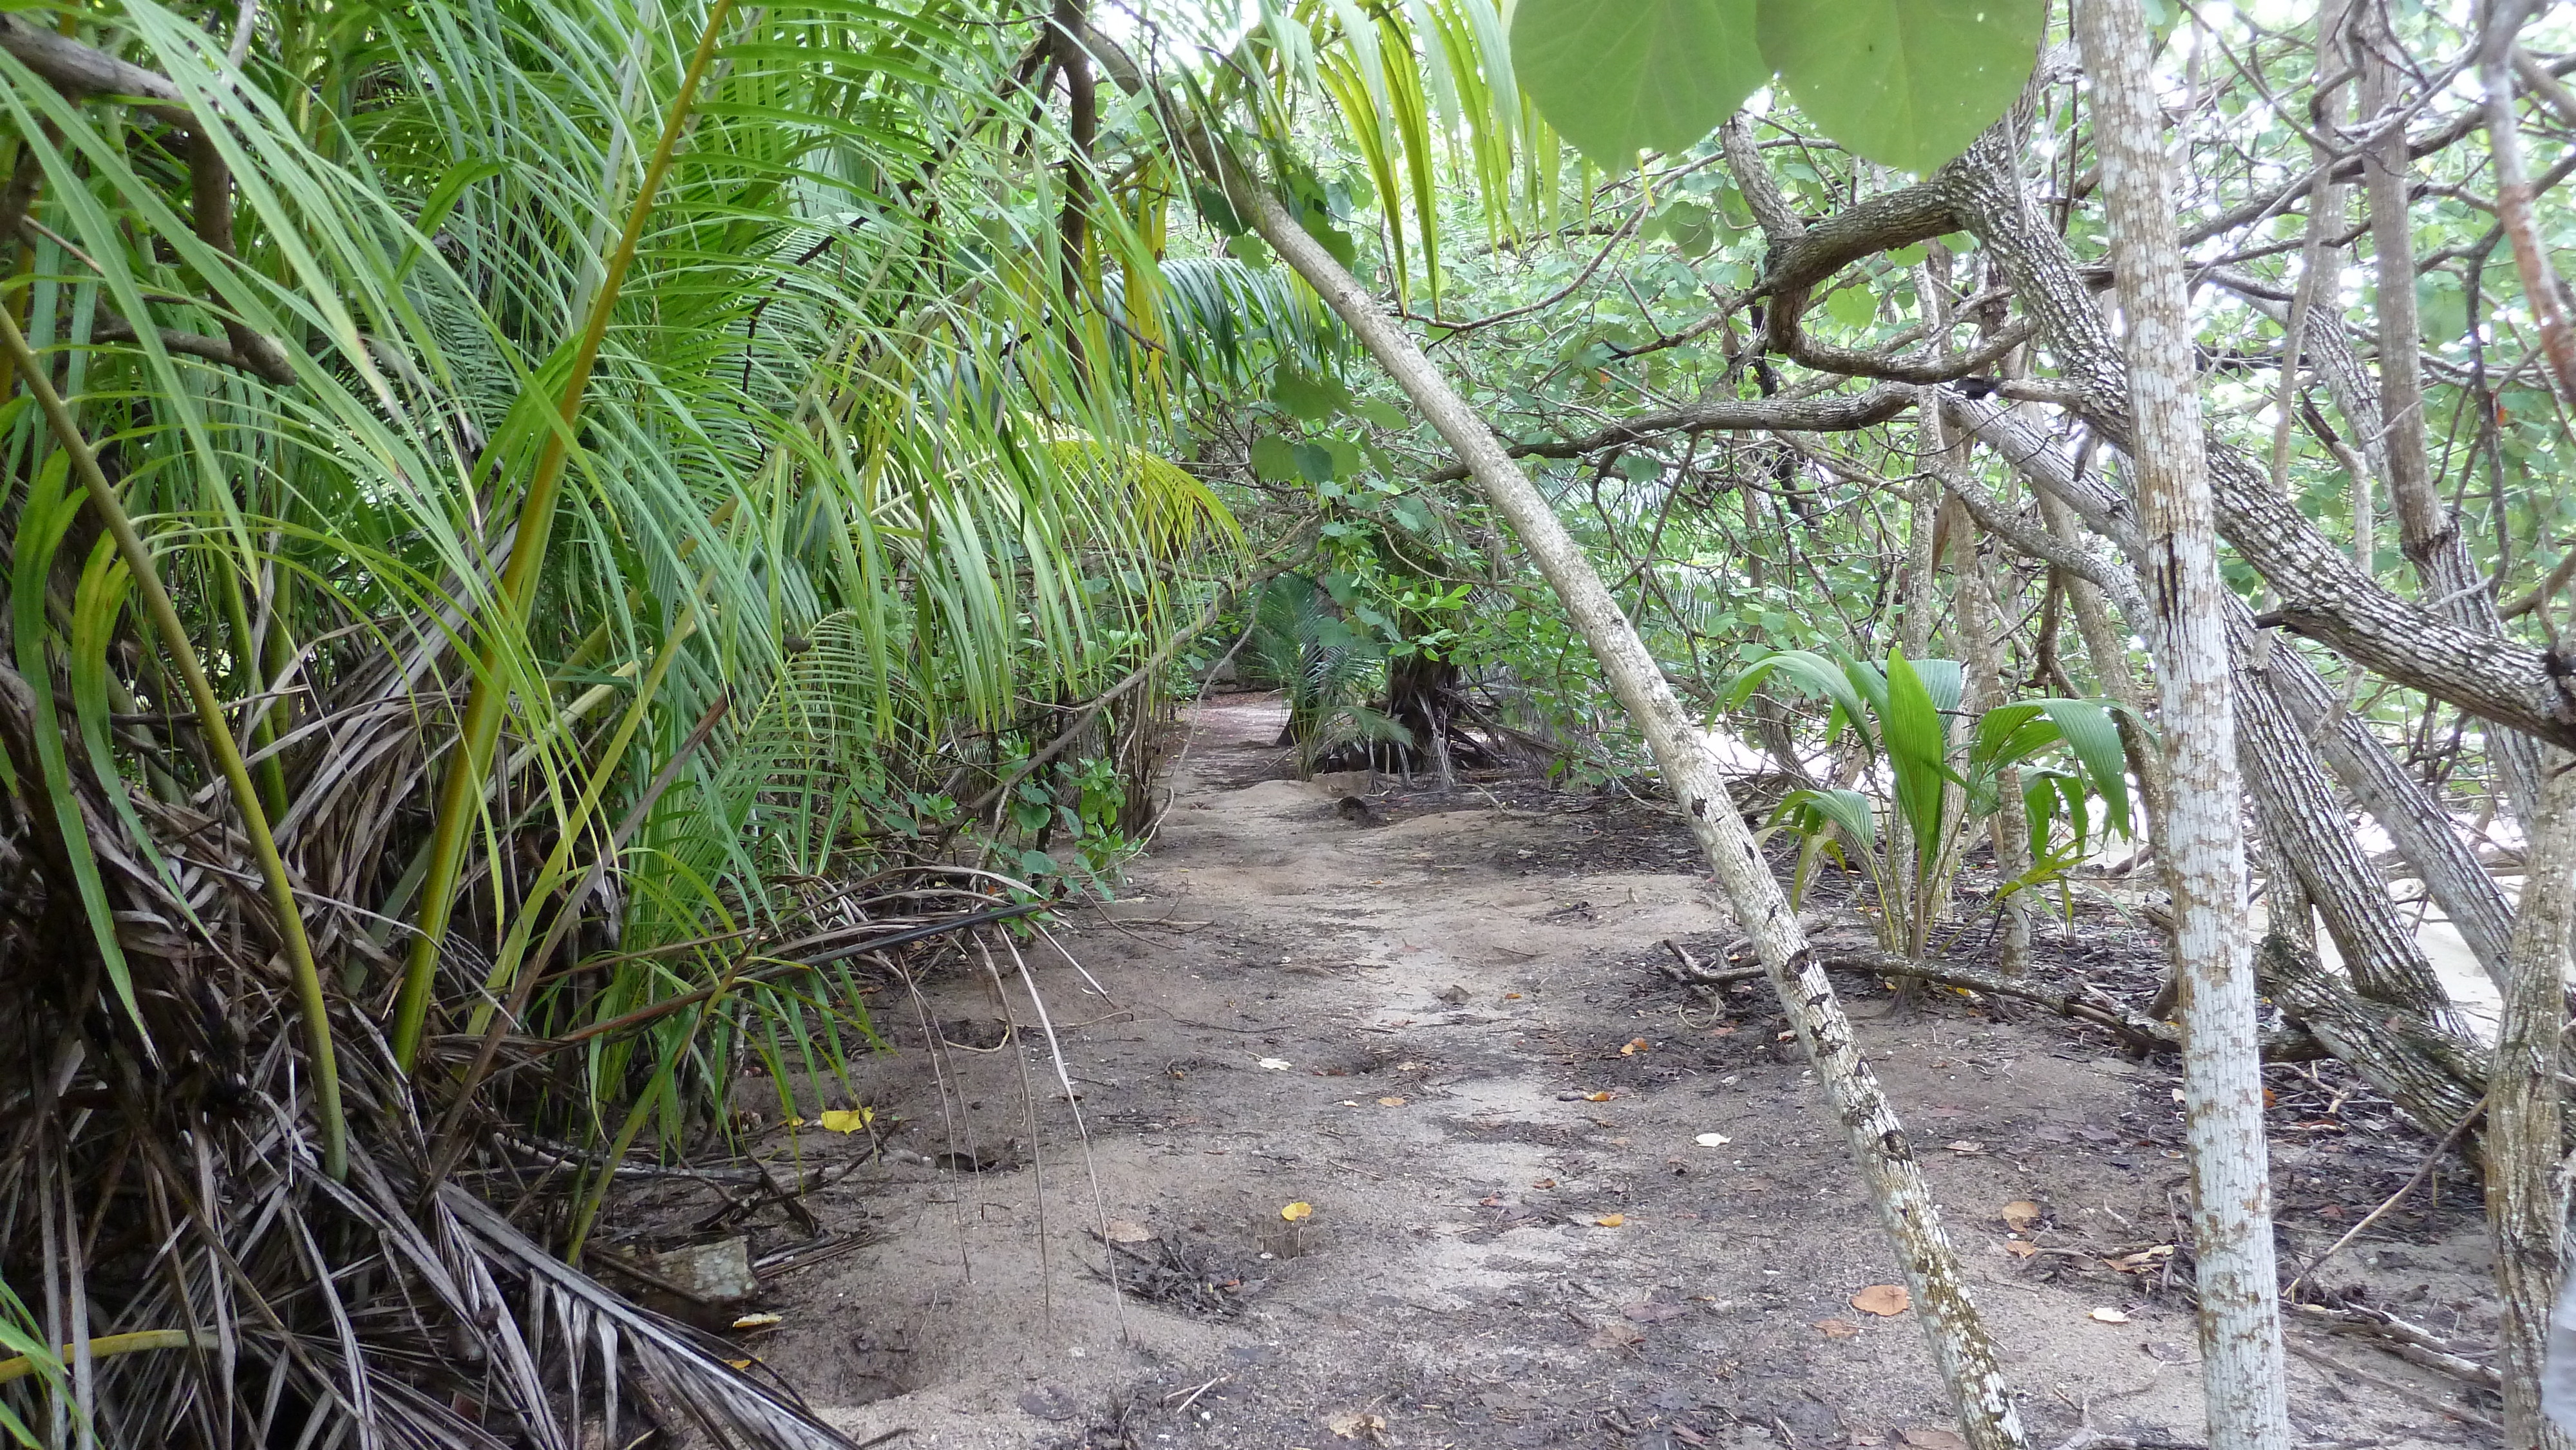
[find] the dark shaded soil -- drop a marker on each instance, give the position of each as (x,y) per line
(1398,1134)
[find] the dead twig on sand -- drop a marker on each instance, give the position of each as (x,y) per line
(2412,1343)
(2411,1396)
(2423,1171)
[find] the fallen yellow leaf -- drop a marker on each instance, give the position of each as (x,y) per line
(1635,1046)
(2021,1213)
(1612,1220)
(759,1321)
(1596,1097)
(739,1363)
(1298,1211)
(1390,1102)
(1882,1299)
(2108,1316)
(847,1120)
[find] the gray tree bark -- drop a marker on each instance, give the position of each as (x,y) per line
(2418,824)
(2278,758)
(2395,799)
(2203,847)
(2323,596)
(2427,530)
(2320,260)
(2525,1204)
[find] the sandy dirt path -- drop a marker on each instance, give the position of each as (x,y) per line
(1446,1037)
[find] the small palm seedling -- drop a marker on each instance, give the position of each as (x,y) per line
(1326,668)
(1934,774)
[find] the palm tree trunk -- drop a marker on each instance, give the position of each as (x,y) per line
(2203,846)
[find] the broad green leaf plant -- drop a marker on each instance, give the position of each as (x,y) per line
(1936,775)
(1906,83)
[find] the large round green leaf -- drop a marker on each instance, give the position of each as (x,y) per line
(1617,77)
(1906,83)
(1310,398)
(1274,458)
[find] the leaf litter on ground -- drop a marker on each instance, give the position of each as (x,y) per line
(1883,1300)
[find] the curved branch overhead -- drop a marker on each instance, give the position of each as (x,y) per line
(2323,594)
(83,70)
(1841,413)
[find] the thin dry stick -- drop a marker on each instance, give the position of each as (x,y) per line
(2413,1397)
(934,1043)
(2423,1171)
(1029,1116)
(1090,1164)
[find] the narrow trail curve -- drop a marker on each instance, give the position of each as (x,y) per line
(1446,1037)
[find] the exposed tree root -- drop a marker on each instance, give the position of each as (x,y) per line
(2136,1030)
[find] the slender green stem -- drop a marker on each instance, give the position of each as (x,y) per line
(218,737)
(252,684)
(558,866)
(100,1348)
(461,793)
(596,1191)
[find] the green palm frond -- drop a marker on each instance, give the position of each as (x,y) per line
(851,482)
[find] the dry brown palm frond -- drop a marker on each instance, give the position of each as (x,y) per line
(376,1311)
(165,1179)
(179,1186)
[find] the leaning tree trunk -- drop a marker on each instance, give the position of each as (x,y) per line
(2324,597)
(1689,761)
(2395,799)
(2329,870)
(2277,761)
(2203,846)
(1981,650)
(2524,1203)
(2427,530)
(2108,650)
(2432,1077)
